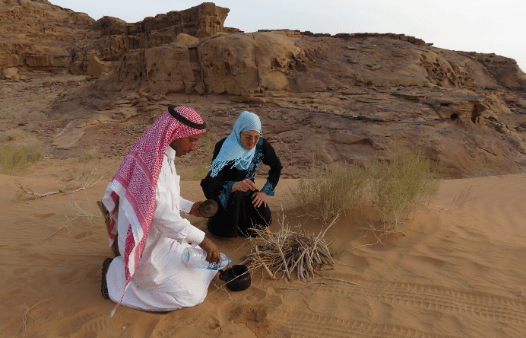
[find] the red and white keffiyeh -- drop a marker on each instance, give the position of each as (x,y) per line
(133,187)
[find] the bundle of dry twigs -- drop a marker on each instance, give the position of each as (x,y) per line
(286,250)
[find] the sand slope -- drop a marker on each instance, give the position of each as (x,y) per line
(458,272)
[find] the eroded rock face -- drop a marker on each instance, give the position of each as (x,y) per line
(268,61)
(470,133)
(161,69)
(347,99)
(36,35)
(248,63)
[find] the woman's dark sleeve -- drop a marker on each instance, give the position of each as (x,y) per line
(271,159)
(217,188)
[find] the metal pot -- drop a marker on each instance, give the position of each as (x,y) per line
(237,277)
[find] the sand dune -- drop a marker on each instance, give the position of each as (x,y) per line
(457,272)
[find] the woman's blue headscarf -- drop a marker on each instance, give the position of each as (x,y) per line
(232,151)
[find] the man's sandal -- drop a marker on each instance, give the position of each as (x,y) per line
(104,285)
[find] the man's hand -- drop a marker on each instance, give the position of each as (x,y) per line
(195,209)
(259,198)
(244,185)
(211,249)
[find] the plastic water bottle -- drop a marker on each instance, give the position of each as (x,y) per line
(196,258)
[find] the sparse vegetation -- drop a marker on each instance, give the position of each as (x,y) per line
(24,113)
(70,175)
(85,180)
(37,116)
(57,117)
(32,126)
(394,188)
(11,135)
(76,212)
(401,185)
(89,154)
(331,191)
(18,149)
(18,157)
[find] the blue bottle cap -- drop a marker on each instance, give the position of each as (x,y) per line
(186,257)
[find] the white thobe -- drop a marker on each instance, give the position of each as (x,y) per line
(161,281)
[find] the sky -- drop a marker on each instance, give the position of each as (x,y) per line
(484,26)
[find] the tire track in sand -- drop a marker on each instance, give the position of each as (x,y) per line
(315,326)
(432,297)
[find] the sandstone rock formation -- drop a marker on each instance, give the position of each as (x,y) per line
(36,35)
(347,97)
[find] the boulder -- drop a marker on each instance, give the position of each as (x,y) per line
(11,74)
(186,39)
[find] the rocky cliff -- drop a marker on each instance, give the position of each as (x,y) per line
(37,35)
(347,97)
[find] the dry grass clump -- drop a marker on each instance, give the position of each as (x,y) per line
(11,135)
(22,114)
(401,185)
(18,157)
(37,116)
(332,191)
(18,149)
(89,154)
(33,126)
(286,250)
(394,188)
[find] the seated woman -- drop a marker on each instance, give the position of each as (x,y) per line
(230,181)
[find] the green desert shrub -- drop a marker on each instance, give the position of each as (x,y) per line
(331,191)
(394,188)
(401,185)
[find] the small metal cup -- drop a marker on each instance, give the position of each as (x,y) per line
(208,208)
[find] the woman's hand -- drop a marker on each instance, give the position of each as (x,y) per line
(259,198)
(212,252)
(195,209)
(244,185)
